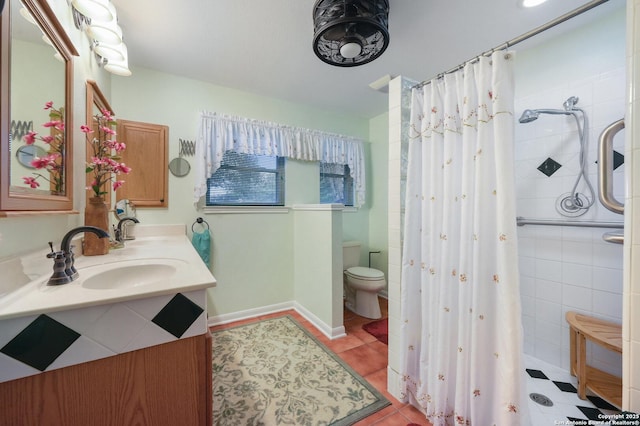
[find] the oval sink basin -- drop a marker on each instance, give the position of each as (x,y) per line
(130,276)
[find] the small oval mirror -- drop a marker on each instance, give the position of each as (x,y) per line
(26,154)
(124,208)
(179,167)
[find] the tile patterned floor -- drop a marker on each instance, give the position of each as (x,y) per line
(364,354)
(368,357)
(560,387)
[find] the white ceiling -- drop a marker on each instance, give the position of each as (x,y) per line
(264,47)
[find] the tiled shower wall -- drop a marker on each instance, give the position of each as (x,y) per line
(562,268)
(568,268)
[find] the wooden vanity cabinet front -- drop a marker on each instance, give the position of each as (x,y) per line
(168,384)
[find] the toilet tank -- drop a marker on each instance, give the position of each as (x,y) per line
(350,254)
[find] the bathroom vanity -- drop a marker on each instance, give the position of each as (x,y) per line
(126,343)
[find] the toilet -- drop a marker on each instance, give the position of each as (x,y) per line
(361,284)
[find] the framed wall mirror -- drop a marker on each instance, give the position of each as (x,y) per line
(96,102)
(36,84)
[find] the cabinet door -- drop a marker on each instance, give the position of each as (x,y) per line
(147,154)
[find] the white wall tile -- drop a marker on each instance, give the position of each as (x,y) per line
(149,335)
(549,332)
(549,312)
(577,252)
(82,350)
(607,304)
(570,260)
(116,328)
(607,279)
(12,327)
(149,308)
(577,274)
(11,369)
(80,319)
(549,270)
(577,297)
(550,291)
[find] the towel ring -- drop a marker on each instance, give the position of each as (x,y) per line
(200,221)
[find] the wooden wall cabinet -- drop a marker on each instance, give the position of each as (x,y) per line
(147,154)
(168,384)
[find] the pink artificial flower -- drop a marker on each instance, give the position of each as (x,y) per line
(49,160)
(86,129)
(39,163)
(31,182)
(97,161)
(48,105)
(121,168)
(29,138)
(52,123)
(107,130)
(118,146)
(59,125)
(107,114)
(117,184)
(48,139)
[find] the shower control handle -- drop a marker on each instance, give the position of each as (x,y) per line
(605,168)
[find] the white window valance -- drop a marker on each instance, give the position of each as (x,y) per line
(220,133)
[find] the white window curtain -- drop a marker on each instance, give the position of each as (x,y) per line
(219,133)
(460,302)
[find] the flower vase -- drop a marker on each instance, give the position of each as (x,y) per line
(96,213)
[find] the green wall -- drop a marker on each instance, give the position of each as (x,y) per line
(253,253)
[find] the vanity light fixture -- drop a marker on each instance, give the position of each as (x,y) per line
(98,10)
(114,52)
(119,67)
(348,33)
(99,20)
(107,32)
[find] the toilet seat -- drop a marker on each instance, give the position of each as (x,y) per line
(365,274)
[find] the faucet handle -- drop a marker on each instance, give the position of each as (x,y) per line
(54,254)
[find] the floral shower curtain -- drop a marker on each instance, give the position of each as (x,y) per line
(460,302)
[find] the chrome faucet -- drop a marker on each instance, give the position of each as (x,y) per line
(63,270)
(121,231)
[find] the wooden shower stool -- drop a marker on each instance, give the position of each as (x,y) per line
(602,333)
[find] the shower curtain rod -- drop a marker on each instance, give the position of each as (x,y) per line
(521,221)
(560,19)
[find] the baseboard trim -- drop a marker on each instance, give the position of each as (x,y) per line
(249,313)
(331,333)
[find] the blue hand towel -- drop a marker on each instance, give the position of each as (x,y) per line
(202,243)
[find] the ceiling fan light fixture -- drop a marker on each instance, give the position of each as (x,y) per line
(350,32)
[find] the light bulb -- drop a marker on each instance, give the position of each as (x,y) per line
(350,50)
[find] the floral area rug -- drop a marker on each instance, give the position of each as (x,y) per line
(274,372)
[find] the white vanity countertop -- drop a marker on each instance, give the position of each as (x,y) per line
(161,260)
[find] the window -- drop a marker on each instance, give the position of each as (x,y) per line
(336,184)
(247,180)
